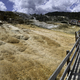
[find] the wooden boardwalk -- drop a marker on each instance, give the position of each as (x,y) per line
(72,70)
(75,75)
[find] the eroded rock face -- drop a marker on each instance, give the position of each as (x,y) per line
(44,25)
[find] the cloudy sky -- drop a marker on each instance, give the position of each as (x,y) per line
(40,6)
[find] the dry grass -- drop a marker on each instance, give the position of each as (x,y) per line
(26,37)
(3,36)
(12,40)
(36,56)
(63,26)
(45,40)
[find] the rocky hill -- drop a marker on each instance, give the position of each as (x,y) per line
(12,17)
(17,17)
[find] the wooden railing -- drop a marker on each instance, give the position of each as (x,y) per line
(74,52)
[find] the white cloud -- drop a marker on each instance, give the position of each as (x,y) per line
(44,6)
(2,6)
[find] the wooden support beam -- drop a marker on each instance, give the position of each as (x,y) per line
(79,33)
(68,59)
(75,36)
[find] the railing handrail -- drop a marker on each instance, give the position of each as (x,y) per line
(73,66)
(68,66)
(54,75)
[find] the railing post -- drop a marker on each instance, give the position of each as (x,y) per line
(68,60)
(79,36)
(75,36)
(79,33)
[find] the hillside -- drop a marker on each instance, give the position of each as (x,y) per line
(28,52)
(32,49)
(13,17)
(22,18)
(70,15)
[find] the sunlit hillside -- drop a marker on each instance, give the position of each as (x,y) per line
(28,52)
(33,46)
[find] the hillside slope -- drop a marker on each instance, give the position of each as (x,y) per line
(31,53)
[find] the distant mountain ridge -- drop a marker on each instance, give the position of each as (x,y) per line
(17,17)
(70,15)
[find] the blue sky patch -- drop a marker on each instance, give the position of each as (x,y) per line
(8,4)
